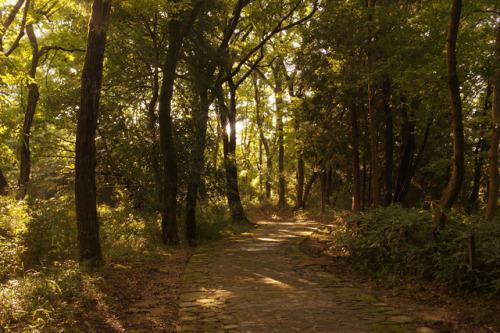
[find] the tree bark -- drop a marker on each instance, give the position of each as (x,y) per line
(481,146)
(491,205)
(197,159)
(263,142)
(177,32)
(356,176)
(228,115)
(85,159)
(3,184)
(309,185)
(278,89)
(375,191)
(33,96)
(299,197)
(457,175)
(389,139)
(407,152)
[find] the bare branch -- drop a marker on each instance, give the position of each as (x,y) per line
(21,32)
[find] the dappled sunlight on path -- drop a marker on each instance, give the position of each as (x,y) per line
(261,282)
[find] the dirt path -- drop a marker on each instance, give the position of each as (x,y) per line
(262,282)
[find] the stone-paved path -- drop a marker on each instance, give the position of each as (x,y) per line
(262,282)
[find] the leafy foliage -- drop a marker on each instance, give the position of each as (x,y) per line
(397,241)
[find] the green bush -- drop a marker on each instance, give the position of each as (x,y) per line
(51,233)
(47,300)
(13,226)
(398,241)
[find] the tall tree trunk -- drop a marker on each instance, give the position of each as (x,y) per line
(309,185)
(85,159)
(299,187)
(153,117)
(278,89)
(389,139)
(323,191)
(481,146)
(491,205)
(3,183)
(299,197)
(356,177)
(169,155)
(177,32)
(197,162)
(263,141)
(375,191)
(457,175)
(407,153)
(33,96)
(228,115)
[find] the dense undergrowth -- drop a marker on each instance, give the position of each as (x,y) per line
(43,287)
(396,242)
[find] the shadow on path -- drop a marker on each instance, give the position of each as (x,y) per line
(261,282)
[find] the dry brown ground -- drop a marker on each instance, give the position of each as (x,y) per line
(142,294)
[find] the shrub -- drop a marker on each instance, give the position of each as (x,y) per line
(13,226)
(398,241)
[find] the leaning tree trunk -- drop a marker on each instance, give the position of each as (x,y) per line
(457,175)
(85,159)
(33,96)
(309,185)
(491,205)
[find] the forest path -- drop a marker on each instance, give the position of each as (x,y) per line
(261,282)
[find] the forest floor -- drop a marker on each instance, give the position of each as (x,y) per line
(262,281)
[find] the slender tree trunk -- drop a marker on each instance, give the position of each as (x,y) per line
(177,32)
(197,163)
(153,118)
(373,147)
(389,139)
(263,141)
(3,184)
(299,198)
(481,146)
(329,185)
(323,190)
(228,115)
(278,87)
(491,205)
(407,153)
(85,159)
(33,96)
(309,185)
(356,177)
(457,175)
(169,154)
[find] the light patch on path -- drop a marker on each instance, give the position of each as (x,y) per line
(261,282)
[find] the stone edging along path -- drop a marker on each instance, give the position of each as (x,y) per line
(261,282)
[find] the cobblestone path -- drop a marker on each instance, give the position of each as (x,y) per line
(262,282)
